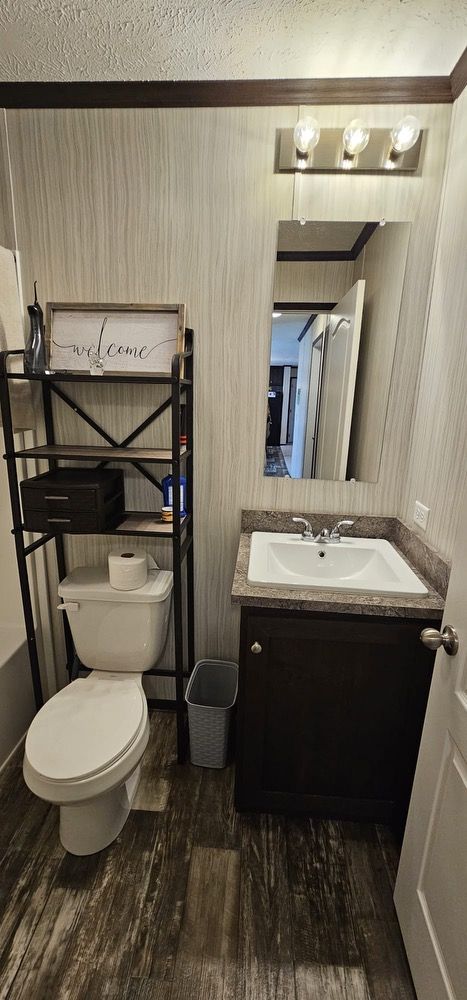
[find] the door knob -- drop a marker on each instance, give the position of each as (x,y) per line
(448,638)
(256,648)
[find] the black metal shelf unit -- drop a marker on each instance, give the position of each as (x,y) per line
(135,523)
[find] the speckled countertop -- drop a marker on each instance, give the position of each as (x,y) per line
(430,607)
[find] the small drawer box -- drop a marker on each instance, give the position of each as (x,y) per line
(73,500)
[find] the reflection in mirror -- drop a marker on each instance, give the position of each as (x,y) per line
(337,295)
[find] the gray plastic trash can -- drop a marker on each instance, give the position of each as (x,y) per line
(210,696)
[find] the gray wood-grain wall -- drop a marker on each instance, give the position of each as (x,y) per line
(437,461)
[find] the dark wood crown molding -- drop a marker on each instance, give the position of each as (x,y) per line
(327,255)
(458,76)
(305,306)
(228,93)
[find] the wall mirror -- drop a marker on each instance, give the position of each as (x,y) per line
(337,296)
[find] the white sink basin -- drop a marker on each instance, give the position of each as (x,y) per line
(356,565)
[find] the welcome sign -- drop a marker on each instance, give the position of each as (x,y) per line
(130,339)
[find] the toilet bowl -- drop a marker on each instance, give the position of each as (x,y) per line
(84,747)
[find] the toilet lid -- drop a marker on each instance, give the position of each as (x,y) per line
(85,728)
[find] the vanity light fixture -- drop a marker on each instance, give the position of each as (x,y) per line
(403,137)
(405,134)
(306,136)
(356,149)
(355,137)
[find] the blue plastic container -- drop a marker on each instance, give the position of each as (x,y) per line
(167,488)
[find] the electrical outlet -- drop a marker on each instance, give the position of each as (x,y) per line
(420,515)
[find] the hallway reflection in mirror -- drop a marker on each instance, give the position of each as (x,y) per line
(337,294)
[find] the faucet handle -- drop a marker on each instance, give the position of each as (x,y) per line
(307,530)
(346,523)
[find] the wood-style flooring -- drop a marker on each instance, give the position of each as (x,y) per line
(195,902)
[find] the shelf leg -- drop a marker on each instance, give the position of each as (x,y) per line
(177,569)
(178,637)
(21,558)
(59,543)
(29,621)
(69,645)
(190,607)
(189,491)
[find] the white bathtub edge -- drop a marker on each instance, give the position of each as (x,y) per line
(12,752)
(17,705)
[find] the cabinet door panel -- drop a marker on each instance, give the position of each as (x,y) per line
(324,710)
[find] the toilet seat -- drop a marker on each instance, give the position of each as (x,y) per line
(85,728)
(87,739)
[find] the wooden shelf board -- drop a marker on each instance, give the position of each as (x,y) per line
(139,522)
(101,453)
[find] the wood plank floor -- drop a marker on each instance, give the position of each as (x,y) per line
(195,902)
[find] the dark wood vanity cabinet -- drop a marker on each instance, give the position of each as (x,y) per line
(330,713)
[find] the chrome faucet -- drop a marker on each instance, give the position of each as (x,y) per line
(333,536)
(308,530)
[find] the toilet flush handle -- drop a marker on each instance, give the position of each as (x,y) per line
(71,606)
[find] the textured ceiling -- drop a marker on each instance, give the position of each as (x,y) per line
(228,39)
(319,236)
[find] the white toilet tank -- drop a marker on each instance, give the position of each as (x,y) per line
(114,629)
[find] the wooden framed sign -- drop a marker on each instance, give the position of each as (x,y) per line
(128,339)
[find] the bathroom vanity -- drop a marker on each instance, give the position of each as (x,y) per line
(332,695)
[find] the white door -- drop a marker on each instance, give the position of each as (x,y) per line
(338,388)
(431,887)
(302,394)
(317,358)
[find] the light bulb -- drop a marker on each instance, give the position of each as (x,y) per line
(276,314)
(306,134)
(405,134)
(356,137)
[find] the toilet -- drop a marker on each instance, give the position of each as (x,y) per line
(84,747)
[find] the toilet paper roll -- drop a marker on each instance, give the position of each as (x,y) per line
(128,568)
